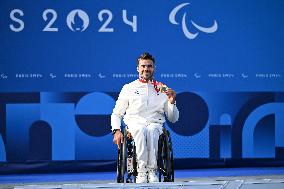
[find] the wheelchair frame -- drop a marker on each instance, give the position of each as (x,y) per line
(126,159)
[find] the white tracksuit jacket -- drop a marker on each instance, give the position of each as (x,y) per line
(144,111)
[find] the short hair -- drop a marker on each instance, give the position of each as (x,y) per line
(145,56)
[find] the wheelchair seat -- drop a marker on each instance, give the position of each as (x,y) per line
(127,163)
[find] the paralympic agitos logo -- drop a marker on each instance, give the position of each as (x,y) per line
(187,33)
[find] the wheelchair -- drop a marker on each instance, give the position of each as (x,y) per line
(127,164)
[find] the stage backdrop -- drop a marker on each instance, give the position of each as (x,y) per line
(63,63)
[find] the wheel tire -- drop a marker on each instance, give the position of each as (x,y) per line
(135,173)
(159,159)
(120,170)
(172,168)
(121,165)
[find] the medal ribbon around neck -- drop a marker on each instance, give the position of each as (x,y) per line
(159,86)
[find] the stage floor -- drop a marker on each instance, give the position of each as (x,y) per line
(225,178)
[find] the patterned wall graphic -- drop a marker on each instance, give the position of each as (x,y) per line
(69,126)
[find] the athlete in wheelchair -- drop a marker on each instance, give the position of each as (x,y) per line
(144,103)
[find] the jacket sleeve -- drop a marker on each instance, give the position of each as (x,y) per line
(120,108)
(171,112)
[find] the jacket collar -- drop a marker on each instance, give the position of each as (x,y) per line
(153,82)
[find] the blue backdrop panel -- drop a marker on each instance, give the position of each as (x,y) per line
(62,65)
(92,45)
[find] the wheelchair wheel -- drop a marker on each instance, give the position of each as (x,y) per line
(121,160)
(126,161)
(165,158)
(171,159)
